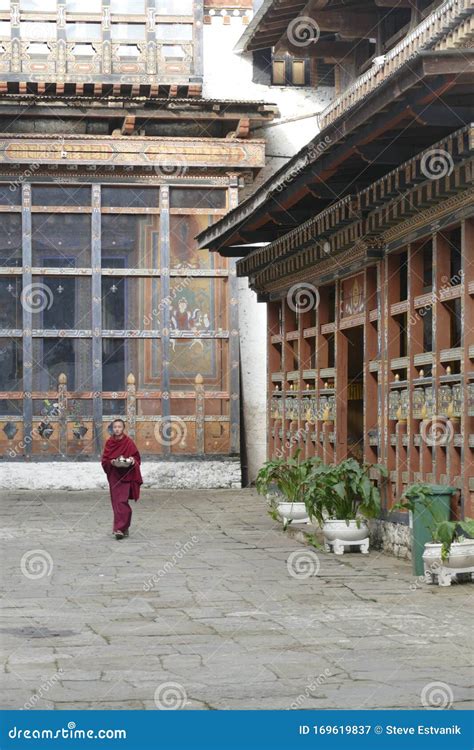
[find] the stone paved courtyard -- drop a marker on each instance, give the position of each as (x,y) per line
(209,605)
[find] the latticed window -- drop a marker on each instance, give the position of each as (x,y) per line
(109,282)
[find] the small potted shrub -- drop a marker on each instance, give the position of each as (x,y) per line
(341,499)
(284,481)
(451,550)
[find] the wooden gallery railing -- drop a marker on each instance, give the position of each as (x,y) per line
(72,424)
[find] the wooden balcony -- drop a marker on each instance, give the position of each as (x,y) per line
(449,26)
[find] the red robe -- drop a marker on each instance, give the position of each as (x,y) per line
(118,477)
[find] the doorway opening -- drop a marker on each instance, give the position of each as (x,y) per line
(355,393)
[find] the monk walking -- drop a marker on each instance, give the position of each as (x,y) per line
(121,462)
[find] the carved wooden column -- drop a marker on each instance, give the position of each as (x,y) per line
(467,417)
(165,314)
(131,406)
(27,322)
(62,418)
(96,284)
(199,387)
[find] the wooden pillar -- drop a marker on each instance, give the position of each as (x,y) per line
(340,383)
(441,340)
(165,315)
(415,346)
(27,280)
(199,387)
(62,418)
(96,284)
(467,309)
(131,406)
(234,346)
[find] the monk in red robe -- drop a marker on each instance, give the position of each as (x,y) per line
(124,481)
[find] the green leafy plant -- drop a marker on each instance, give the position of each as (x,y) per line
(344,492)
(442,532)
(289,476)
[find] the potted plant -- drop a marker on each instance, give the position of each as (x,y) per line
(284,481)
(341,499)
(451,550)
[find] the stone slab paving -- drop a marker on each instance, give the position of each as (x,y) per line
(210,605)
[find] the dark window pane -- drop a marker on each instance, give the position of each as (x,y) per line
(113,365)
(197,198)
(130,197)
(59,303)
(10,195)
(113,303)
(11,408)
(113,406)
(428,329)
(61,238)
(54,356)
(132,239)
(130,303)
(428,266)
(10,239)
(60,195)
(11,367)
(122,356)
(11,312)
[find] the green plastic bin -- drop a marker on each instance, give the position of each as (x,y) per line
(422,522)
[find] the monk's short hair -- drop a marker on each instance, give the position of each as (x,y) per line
(118,420)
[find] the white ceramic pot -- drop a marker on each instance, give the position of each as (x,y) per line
(346,533)
(461,555)
(295,512)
